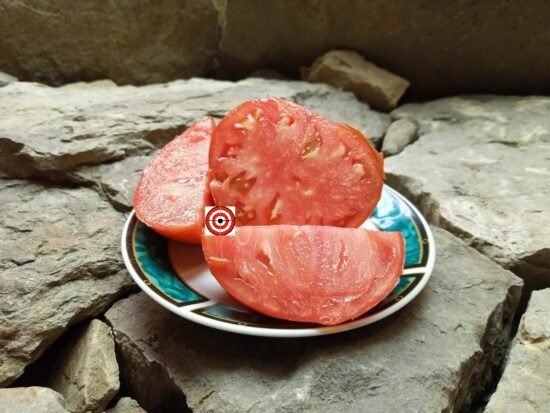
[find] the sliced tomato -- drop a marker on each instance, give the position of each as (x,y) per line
(173,190)
(280,163)
(310,273)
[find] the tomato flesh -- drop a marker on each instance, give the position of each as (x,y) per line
(173,190)
(319,274)
(280,163)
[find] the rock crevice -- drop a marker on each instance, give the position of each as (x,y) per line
(478,374)
(524,383)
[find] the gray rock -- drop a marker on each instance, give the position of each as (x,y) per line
(59,263)
(126,405)
(460,49)
(401,133)
(31,400)
(348,70)
(86,373)
(129,41)
(6,78)
(47,131)
(481,169)
(115,181)
(436,354)
(524,386)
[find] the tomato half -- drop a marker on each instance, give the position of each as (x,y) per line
(318,274)
(280,163)
(173,191)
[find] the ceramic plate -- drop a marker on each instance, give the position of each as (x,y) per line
(176,276)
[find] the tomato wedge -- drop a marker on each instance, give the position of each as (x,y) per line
(173,191)
(310,273)
(279,163)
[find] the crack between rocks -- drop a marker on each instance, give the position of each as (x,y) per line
(492,365)
(206,397)
(172,397)
(479,375)
(51,336)
(70,179)
(512,144)
(490,361)
(484,397)
(524,269)
(105,193)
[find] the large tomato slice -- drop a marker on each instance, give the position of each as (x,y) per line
(310,273)
(172,191)
(279,163)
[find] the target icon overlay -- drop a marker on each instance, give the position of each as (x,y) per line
(219,220)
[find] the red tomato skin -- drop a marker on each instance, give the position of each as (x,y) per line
(280,163)
(317,274)
(173,189)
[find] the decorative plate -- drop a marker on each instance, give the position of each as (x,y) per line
(177,277)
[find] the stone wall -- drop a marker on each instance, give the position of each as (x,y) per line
(128,41)
(476,339)
(456,47)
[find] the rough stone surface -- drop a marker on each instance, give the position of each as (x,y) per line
(31,400)
(434,355)
(481,168)
(59,263)
(115,181)
(6,78)
(401,133)
(350,71)
(86,373)
(48,131)
(461,49)
(129,41)
(524,386)
(126,405)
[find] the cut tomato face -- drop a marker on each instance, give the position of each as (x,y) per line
(317,274)
(173,190)
(279,163)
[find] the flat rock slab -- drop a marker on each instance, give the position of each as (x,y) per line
(86,373)
(59,263)
(525,383)
(481,168)
(434,355)
(31,400)
(47,131)
(349,70)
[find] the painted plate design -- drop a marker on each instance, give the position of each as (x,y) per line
(176,276)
